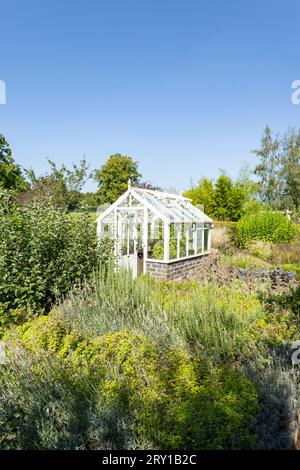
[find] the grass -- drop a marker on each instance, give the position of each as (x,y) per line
(241,259)
(297,234)
(93,215)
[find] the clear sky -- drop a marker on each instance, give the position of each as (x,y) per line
(185,87)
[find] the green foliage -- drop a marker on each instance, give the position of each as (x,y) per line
(121,374)
(291,169)
(9,317)
(61,187)
(225,200)
(283,299)
(10,173)
(253,206)
(43,252)
(291,267)
(268,169)
(279,170)
(158,249)
(214,322)
(93,215)
(295,301)
(228,199)
(202,195)
(243,260)
(113,176)
(89,202)
(125,363)
(267,226)
(260,249)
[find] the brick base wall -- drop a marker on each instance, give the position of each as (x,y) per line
(177,270)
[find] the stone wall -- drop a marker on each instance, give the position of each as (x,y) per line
(177,270)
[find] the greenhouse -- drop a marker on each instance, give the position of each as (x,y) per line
(156,232)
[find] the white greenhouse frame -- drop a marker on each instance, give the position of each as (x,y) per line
(154,226)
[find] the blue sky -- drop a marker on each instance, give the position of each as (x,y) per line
(184,87)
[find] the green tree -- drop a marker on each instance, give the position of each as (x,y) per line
(222,200)
(291,170)
(10,173)
(113,176)
(278,170)
(269,170)
(202,194)
(61,187)
(226,199)
(229,198)
(239,196)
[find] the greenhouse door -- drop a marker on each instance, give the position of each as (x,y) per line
(128,242)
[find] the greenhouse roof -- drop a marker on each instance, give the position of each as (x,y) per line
(171,208)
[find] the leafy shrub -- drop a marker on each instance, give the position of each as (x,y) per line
(260,249)
(252,207)
(267,226)
(277,382)
(243,260)
(122,391)
(283,299)
(8,318)
(128,363)
(291,267)
(211,322)
(277,328)
(43,252)
(216,322)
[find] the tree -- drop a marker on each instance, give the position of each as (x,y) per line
(229,198)
(10,173)
(222,200)
(279,170)
(239,196)
(113,176)
(202,194)
(291,170)
(269,169)
(226,199)
(61,187)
